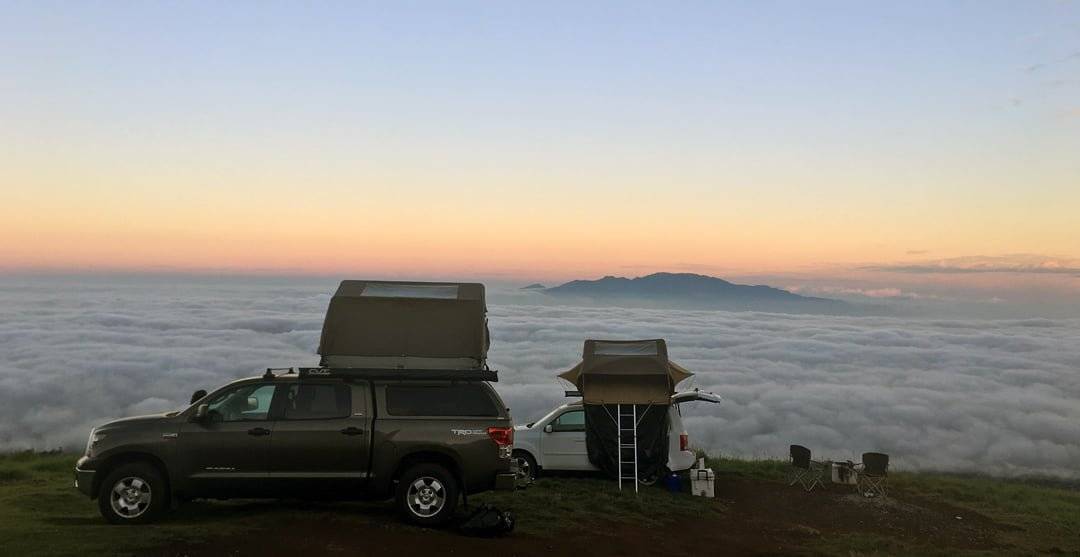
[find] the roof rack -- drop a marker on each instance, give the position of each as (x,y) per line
(270,371)
(392,373)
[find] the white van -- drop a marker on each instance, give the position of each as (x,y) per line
(557,441)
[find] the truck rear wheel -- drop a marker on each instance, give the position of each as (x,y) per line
(427,494)
(132,494)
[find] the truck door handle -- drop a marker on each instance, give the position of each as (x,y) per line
(258,431)
(352,431)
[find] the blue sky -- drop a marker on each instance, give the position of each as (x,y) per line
(775,134)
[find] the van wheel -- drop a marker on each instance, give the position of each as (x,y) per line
(132,494)
(526,466)
(427,494)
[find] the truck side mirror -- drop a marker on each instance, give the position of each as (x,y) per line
(201,413)
(252,403)
(547,428)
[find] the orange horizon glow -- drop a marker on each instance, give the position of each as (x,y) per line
(466,151)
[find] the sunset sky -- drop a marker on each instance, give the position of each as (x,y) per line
(543,141)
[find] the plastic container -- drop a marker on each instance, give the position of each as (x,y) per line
(702,482)
(673,483)
(843,473)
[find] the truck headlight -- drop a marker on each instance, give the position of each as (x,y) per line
(93,441)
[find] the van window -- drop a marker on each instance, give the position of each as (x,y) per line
(573,420)
(314,401)
(467,399)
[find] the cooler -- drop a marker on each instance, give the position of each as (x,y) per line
(702,482)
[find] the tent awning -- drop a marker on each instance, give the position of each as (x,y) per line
(626,372)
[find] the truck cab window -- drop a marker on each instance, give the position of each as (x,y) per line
(244,403)
(315,401)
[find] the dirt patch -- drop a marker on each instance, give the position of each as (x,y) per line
(759,518)
(835,511)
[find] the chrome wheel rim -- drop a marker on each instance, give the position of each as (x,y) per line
(130,497)
(426,497)
(524,471)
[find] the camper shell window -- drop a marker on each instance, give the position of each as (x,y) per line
(465,399)
(423,291)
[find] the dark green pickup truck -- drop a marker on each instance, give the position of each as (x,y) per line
(423,437)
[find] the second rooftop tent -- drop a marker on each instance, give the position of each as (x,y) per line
(626,372)
(405,325)
(621,378)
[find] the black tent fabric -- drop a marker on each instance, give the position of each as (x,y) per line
(601,438)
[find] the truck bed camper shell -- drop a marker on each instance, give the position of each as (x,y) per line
(405,325)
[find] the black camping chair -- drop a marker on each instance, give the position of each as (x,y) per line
(873,475)
(805,471)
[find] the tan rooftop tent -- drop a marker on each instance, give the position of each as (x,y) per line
(626,388)
(626,372)
(415,325)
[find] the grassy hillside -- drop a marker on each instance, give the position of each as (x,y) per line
(42,514)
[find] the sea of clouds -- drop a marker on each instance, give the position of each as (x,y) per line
(998,396)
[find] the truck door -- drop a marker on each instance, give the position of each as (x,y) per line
(322,436)
(564,445)
(228,453)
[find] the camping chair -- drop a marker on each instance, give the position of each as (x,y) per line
(873,475)
(804,471)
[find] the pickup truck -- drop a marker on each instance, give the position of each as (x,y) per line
(557,440)
(422,437)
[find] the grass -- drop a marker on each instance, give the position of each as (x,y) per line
(1021,502)
(767,469)
(562,504)
(42,514)
(1035,511)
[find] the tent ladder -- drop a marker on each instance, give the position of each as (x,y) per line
(627,441)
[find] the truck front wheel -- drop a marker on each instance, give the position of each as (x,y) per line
(427,494)
(132,494)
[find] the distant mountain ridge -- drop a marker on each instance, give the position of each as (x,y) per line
(693,290)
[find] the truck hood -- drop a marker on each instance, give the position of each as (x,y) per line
(135,420)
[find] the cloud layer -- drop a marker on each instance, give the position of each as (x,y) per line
(991,395)
(1017,263)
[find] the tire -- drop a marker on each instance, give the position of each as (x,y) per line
(651,480)
(133,493)
(527,470)
(427,495)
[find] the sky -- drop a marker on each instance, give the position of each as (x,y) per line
(797,142)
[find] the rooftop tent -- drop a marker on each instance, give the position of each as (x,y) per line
(417,325)
(626,372)
(626,376)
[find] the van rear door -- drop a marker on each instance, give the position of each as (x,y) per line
(690,396)
(680,457)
